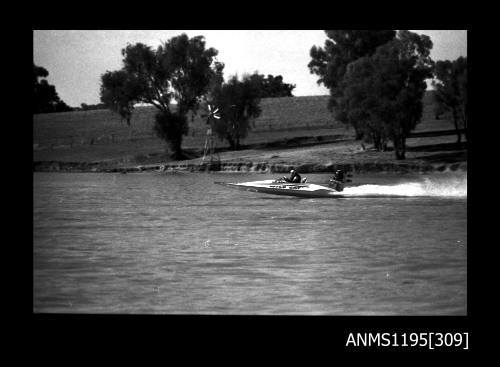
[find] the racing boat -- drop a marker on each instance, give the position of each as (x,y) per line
(302,189)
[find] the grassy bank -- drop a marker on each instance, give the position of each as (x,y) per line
(297,131)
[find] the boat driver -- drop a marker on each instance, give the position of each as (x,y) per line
(294,177)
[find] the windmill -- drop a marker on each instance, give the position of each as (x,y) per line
(209,149)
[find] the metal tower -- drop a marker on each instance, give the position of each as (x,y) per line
(209,149)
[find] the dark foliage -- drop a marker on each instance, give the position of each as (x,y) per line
(451,91)
(341,48)
(91,107)
(46,99)
(272,86)
(180,70)
(238,101)
(120,91)
(382,93)
(171,127)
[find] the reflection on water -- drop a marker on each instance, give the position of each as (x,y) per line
(178,243)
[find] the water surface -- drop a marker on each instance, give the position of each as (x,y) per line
(178,243)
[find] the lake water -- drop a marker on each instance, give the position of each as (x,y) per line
(179,244)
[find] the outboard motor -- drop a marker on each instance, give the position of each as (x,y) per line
(338,180)
(339,175)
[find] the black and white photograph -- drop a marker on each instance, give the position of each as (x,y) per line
(250,172)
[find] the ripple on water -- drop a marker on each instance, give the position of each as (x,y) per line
(144,243)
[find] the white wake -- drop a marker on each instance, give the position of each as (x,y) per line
(435,186)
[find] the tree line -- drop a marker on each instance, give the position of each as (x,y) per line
(46,99)
(176,78)
(451,91)
(376,80)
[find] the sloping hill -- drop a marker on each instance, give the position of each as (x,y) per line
(103,126)
(100,135)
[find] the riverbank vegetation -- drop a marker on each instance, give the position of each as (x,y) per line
(451,92)
(45,97)
(376,80)
(180,69)
(378,100)
(288,131)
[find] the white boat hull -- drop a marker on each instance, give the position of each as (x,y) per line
(285,188)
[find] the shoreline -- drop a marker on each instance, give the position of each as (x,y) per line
(292,132)
(427,151)
(251,167)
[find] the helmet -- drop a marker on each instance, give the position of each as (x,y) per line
(292,171)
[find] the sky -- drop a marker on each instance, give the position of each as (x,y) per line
(76,59)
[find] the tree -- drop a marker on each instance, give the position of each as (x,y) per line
(216,81)
(120,91)
(91,107)
(383,93)
(341,48)
(179,70)
(272,86)
(39,72)
(451,90)
(46,98)
(238,102)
